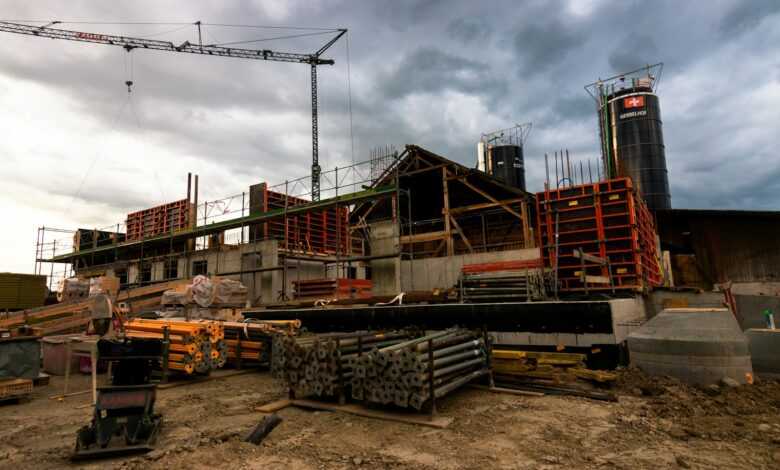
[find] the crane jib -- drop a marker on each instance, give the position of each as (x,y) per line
(129,44)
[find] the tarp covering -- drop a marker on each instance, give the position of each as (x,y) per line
(20,358)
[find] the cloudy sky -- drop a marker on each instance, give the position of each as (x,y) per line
(78,152)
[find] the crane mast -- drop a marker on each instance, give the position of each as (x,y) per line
(129,43)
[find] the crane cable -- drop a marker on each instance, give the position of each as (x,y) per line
(129,75)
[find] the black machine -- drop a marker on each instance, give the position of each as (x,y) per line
(124,421)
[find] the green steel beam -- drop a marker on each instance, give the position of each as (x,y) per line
(371,193)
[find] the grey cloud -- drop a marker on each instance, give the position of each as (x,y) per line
(468,30)
(526,61)
(633,51)
(427,70)
(746,15)
(573,107)
(539,46)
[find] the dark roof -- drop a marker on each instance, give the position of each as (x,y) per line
(411,151)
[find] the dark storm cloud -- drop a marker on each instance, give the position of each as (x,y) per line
(468,30)
(632,52)
(518,61)
(540,45)
(747,15)
(573,107)
(428,70)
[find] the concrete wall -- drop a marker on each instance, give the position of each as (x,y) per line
(749,307)
(132,273)
(740,246)
(444,272)
(756,288)
(659,300)
(750,310)
(385,274)
(390,276)
(627,315)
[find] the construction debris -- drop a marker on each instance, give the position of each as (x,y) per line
(549,372)
(266,425)
(14,389)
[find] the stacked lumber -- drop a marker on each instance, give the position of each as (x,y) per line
(66,317)
(252,341)
(549,372)
(18,291)
(146,298)
(195,346)
(383,368)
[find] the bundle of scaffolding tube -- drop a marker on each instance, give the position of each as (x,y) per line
(195,346)
(417,372)
(249,343)
(397,367)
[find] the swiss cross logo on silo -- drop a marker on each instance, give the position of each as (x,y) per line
(634,102)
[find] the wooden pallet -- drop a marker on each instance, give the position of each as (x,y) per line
(11,389)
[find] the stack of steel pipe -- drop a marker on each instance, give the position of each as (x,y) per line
(322,365)
(415,372)
(194,346)
(252,340)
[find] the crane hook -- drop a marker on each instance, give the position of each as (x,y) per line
(129,84)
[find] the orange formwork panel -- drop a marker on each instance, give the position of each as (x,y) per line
(159,220)
(607,219)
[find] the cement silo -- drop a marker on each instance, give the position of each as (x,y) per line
(500,154)
(631,133)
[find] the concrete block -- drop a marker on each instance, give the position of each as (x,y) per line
(698,346)
(765,351)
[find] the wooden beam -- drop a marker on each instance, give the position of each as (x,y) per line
(490,198)
(424,237)
(528,240)
(446,212)
(439,248)
(423,170)
(484,205)
(462,235)
(438,422)
(590,258)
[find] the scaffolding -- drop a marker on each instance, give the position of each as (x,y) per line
(306,230)
(49,243)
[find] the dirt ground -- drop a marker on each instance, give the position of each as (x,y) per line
(655,424)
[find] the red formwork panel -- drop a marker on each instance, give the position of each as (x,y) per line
(167,218)
(337,288)
(605,219)
(324,231)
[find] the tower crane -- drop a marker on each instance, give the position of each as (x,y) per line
(128,43)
